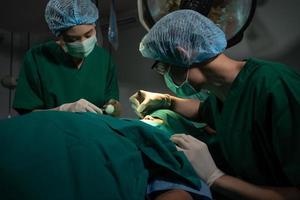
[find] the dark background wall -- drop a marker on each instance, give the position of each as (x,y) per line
(274,35)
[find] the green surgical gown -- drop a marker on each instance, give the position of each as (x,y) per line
(62,155)
(48,79)
(258,125)
(175,123)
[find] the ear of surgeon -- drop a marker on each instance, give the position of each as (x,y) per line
(190,44)
(183,38)
(186,41)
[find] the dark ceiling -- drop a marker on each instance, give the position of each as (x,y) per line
(28,15)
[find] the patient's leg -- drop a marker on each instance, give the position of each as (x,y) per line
(174,195)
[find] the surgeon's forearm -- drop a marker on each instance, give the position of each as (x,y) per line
(238,189)
(186,107)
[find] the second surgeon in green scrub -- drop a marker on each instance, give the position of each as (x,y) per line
(254,108)
(72,74)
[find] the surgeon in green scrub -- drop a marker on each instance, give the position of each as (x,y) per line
(253,108)
(73,73)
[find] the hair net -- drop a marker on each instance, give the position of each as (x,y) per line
(63,14)
(182,38)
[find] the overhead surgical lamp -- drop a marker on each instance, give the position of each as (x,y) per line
(232,16)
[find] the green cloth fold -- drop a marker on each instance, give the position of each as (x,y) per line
(61,155)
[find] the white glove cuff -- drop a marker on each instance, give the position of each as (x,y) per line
(217,174)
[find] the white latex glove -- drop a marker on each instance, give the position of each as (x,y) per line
(198,154)
(81,105)
(144,102)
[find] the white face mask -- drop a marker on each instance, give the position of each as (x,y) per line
(81,49)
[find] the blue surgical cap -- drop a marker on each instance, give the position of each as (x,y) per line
(63,14)
(182,38)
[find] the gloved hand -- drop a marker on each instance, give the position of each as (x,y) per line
(198,154)
(81,105)
(144,102)
(113,108)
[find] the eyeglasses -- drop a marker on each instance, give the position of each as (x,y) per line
(178,74)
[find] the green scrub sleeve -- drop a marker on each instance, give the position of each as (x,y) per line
(28,92)
(206,111)
(285,105)
(112,88)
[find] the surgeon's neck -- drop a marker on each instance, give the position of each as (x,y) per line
(220,74)
(77,62)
